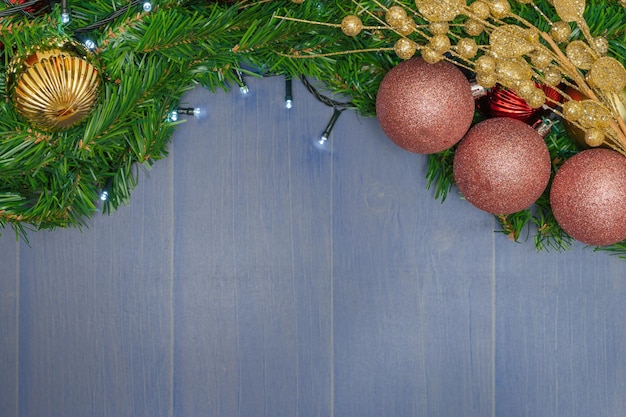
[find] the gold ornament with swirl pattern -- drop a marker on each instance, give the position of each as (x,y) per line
(54,89)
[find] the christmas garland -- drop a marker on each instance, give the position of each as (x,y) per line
(128,63)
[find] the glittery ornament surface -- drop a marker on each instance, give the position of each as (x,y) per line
(552,76)
(424,108)
(473,27)
(406,27)
(480,9)
(440,43)
(601,45)
(502,166)
(439,10)
(570,10)
(580,54)
(510,41)
(608,74)
(430,55)
(467,47)
(499,8)
(573,110)
(395,16)
(560,31)
(351,25)
(588,197)
(513,70)
(405,48)
(439,28)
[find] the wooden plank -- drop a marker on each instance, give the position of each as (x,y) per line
(560,333)
(95,312)
(254,274)
(252,250)
(413,286)
(9,339)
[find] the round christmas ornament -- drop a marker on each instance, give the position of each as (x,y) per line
(588,197)
(424,108)
(502,166)
(504,102)
(54,89)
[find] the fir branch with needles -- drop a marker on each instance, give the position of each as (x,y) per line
(149,60)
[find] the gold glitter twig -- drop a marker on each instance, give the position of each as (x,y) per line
(354,51)
(333,25)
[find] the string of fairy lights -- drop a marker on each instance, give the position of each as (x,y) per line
(320,141)
(82,35)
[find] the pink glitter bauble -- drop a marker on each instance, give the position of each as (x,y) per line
(502,166)
(588,197)
(424,108)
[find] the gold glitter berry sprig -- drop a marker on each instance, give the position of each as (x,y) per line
(516,55)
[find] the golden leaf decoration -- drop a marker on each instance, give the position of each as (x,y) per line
(570,10)
(439,10)
(608,74)
(510,41)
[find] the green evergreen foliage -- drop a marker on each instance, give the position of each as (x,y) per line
(148,60)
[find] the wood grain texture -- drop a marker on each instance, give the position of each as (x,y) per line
(9,336)
(560,333)
(252,298)
(95,312)
(412,286)
(257,275)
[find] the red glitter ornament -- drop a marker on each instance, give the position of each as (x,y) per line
(425,108)
(588,197)
(504,102)
(502,166)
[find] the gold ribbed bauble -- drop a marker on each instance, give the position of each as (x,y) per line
(54,88)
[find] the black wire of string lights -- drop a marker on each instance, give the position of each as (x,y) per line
(23,8)
(80,34)
(18,8)
(111,17)
(337,106)
(343,105)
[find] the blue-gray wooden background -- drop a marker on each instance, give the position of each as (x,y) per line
(254,275)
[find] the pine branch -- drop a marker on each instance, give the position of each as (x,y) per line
(440,173)
(148,61)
